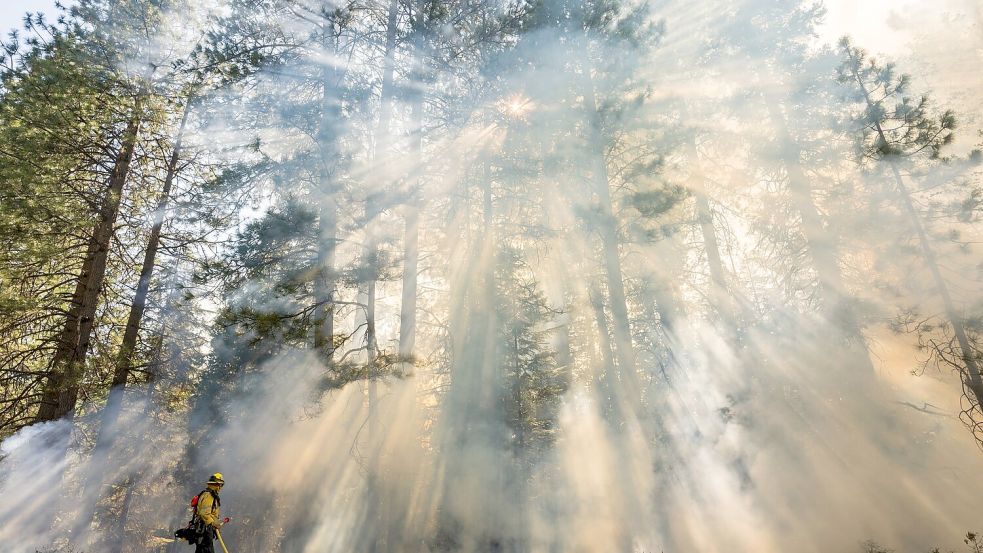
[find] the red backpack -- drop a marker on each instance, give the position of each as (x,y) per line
(196,527)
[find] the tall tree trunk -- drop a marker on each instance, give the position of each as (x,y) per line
(564,352)
(476,384)
(107,434)
(705,218)
(408,299)
(370,254)
(60,394)
(124,359)
(971,376)
(604,333)
(411,212)
(724,300)
(324,283)
(326,280)
(823,250)
(629,412)
(659,302)
(610,244)
(298,529)
(152,397)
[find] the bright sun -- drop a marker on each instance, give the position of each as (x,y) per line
(516,106)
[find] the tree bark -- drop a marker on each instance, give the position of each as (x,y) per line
(610,244)
(411,248)
(377,512)
(408,298)
(60,394)
(370,252)
(137,308)
(326,280)
(604,333)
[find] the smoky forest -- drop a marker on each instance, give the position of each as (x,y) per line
(478,276)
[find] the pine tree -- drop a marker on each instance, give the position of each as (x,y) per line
(898,131)
(53,126)
(99,138)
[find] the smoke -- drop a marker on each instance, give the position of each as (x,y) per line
(782,470)
(33,464)
(777,434)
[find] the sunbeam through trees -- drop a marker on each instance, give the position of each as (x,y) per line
(486,276)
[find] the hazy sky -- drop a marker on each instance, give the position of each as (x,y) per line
(939,42)
(12,11)
(882,21)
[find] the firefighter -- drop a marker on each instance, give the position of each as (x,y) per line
(207,513)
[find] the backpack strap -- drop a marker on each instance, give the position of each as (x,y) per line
(215,499)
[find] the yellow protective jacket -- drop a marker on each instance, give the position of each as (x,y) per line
(208,507)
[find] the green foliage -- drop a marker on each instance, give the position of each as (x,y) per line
(654,203)
(54,128)
(893,122)
(535,382)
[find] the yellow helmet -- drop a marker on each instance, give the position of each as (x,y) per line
(216,479)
